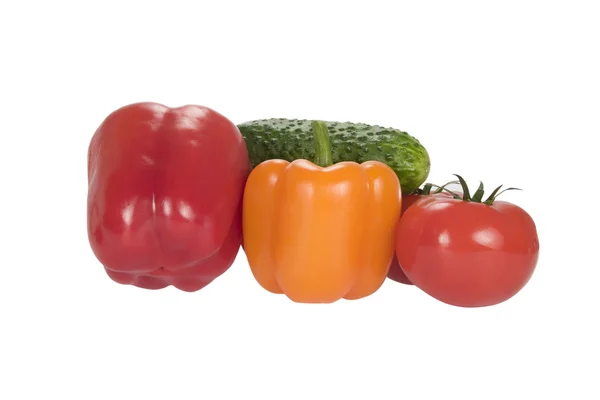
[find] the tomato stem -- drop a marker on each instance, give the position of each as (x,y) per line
(442,188)
(323,156)
(426,190)
(495,194)
(478,195)
(466,194)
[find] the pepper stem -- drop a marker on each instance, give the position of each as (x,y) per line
(323,156)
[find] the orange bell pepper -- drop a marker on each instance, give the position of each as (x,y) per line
(318,232)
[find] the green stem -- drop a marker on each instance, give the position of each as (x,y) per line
(478,195)
(323,156)
(428,187)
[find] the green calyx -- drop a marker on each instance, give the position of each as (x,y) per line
(426,190)
(477,197)
(323,155)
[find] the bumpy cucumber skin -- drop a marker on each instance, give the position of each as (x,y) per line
(291,139)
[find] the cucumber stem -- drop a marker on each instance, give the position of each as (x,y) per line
(323,156)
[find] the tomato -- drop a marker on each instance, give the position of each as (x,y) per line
(467,252)
(395,272)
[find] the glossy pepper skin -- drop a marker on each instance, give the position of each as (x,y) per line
(165,187)
(318,232)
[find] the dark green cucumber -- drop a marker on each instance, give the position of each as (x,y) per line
(291,139)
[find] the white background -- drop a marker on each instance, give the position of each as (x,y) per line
(506,92)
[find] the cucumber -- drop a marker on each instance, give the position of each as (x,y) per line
(291,139)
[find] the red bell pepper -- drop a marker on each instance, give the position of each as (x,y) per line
(165,189)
